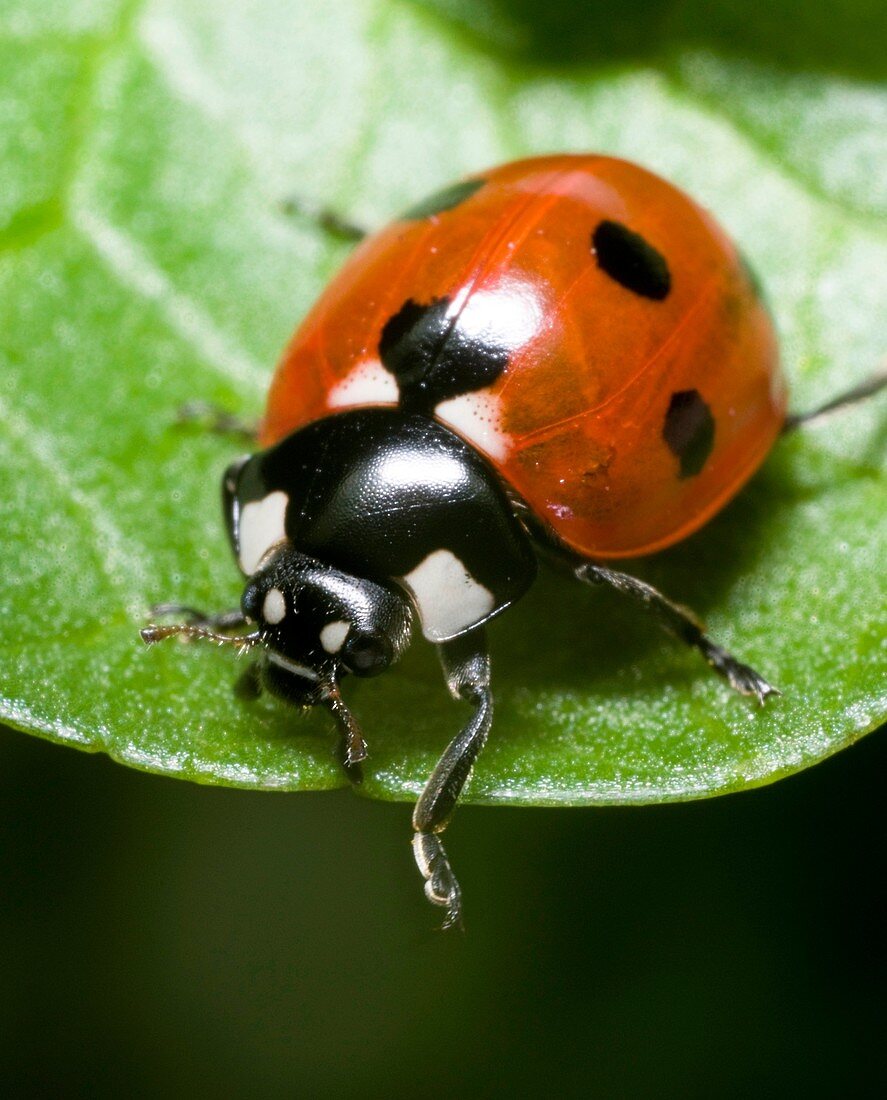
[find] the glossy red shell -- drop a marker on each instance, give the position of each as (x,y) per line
(576,422)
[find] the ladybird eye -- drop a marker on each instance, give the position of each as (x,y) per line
(251,602)
(367,654)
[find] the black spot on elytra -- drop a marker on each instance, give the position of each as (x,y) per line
(689,431)
(632,261)
(443,200)
(432,358)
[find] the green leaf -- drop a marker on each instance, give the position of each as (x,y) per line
(146,260)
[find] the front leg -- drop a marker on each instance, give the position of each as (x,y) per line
(466,666)
(217,420)
(352,747)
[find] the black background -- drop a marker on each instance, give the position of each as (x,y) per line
(163,938)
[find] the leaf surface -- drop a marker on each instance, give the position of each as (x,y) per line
(146,260)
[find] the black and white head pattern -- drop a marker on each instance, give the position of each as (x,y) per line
(390,496)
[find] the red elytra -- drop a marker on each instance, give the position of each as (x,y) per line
(627,414)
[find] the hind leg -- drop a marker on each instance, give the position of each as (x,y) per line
(865,389)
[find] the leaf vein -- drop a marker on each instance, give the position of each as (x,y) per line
(135,270)
(121,564)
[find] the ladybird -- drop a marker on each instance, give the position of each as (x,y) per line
(564,355)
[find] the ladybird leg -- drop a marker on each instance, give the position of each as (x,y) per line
(466,667)
(215,419)
(352,747)
(868,388)
(222,621)
(327,219)
(680,622)
(248,685)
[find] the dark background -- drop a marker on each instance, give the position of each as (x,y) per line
(160,938)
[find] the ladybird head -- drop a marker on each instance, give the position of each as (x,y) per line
(316,622)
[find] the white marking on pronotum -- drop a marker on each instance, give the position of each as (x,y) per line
(449,600)
(333,635)
(261,528)
(366,384)
(475,416)
(273,606)
(292,666)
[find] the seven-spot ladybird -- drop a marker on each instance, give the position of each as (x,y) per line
(563,354)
